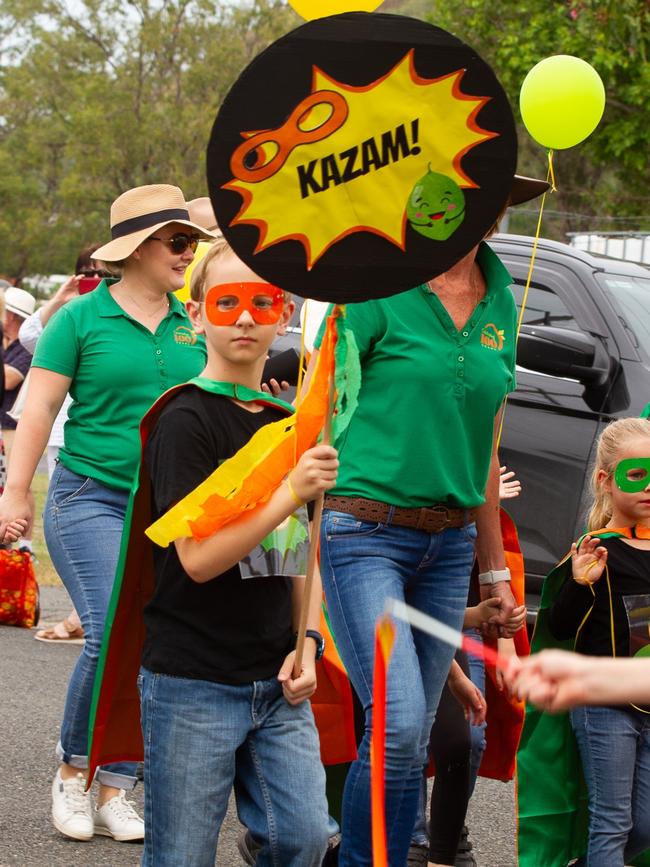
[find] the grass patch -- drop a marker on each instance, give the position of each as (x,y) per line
(45,572)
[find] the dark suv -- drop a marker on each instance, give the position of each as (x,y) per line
(583,359)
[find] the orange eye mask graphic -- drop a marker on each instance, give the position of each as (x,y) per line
(225,302)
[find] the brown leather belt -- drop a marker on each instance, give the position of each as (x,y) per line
(431,519)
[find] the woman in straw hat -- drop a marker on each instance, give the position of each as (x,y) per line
(115,350)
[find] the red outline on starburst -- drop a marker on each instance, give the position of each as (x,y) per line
(472,124)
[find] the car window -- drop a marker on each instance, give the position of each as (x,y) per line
(544,307)
(630,297)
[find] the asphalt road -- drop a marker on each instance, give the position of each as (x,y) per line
(33,678)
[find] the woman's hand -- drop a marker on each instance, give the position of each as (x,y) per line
(15,529)
(15,514)
(68,290)
(467,695)
(588,561)
(314,473)
(509,486)
(297,689)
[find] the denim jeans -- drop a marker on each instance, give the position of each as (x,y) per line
(83,523)
(614,748)
(199,738)
(363,564)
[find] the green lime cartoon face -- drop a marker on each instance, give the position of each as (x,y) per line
(436,206)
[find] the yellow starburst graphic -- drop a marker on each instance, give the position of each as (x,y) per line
(347,158)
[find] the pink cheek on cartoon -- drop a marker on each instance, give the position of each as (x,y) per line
(419,214)
(451,207)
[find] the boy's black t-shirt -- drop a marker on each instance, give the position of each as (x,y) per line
(227,630)
(629,572)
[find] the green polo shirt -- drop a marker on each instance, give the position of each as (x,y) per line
(118,369)
(423,430)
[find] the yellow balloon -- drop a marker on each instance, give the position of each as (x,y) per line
(183,294)
(562,101)
(310,9)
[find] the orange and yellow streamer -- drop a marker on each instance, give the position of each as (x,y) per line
(247,480)
(384,640)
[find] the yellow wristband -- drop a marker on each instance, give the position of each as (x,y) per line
(294,495)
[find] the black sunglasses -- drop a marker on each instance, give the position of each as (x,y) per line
(96,272)
(179,242)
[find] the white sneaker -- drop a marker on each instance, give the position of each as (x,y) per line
(118,819)
(72,813)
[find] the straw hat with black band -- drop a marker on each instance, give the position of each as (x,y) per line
(139,213)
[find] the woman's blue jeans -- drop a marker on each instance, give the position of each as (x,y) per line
(614,748)
(200,738)
(83,524)
(362,565)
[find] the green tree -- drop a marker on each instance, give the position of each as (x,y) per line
(100,96)
(606,177)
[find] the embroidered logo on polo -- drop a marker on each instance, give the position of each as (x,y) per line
(492,337)
(184,335)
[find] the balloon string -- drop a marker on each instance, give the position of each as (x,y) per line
(551,178)
(551,174)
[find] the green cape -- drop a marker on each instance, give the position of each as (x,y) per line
(114,726)
(552,798)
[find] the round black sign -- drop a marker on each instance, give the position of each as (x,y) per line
(360,155)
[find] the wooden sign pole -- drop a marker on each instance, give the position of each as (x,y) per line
(314,540)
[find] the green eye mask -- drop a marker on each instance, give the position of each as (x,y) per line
(632,475)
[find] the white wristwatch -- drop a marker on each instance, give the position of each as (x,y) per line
(493,576)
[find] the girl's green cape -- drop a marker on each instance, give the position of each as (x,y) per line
(552,799)
(114,725)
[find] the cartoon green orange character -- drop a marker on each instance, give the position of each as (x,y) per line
(436,206)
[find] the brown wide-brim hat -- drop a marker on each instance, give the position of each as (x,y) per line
(524,189)
(139,213)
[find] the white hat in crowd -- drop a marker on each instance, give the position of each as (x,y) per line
(19,301)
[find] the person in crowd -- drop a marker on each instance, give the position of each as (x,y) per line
(600,606)
(3,461)
(220,704)
(115,350)
(19,305)
(69,630)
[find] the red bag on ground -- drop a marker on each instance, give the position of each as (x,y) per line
(19,596)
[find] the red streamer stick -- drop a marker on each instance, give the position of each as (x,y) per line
(384,638)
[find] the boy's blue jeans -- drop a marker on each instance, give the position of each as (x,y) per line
(83,522)
(363,564)
(201,737)
(615,752)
